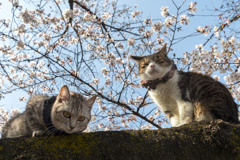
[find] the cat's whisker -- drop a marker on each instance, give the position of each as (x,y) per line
(51,131)
(43,132)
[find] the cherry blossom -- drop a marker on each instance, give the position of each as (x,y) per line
(169,22)
(184,20)
(191,7)
(165,11)
(88,48)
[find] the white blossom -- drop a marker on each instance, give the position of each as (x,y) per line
(27,16)
(201,29)
(216,77)
(148,34)
(135,13)
(22,99)
(184,19)
(131,41)
(12,70)
(157,26)
(93,118)
(20,45)
(24,75)
(74,73)
(105,71)
(100,125)
(32,64)
(204,30)
(108,82)
(165,11)
(191,7)
(89,17)
(95,81)
(106,15)
(100,48)
(215,28)
(13,58)
(148,126)
(40,64)
(68,13)
(169,22)
(119,60)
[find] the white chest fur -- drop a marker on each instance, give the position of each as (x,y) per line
(168,98)
(166,94)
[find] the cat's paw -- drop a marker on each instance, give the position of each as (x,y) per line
(37,134)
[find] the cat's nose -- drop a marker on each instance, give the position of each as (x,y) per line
(152,66)
(72,127)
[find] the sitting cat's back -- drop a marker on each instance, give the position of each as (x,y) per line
(16,126)
(37,100)
(36,103)
(209,94)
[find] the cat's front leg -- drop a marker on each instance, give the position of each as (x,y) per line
(175,121)
(185,112)
(37,133)
(34,124)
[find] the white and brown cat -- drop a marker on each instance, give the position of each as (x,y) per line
(66,113)
(184,96)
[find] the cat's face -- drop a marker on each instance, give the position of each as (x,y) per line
(71,112)
(153,66)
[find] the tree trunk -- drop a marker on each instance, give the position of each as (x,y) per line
(216,140)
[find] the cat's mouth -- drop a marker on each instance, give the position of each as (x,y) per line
(69,131)
(153,71)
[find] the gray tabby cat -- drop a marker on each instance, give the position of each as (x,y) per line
(66,113)
(184,96)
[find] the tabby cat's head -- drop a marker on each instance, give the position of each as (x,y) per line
(71,112)
(153,66)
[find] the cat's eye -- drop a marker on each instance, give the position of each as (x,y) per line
(81,118)
(144,65)
(160,61)
(60,100)
(66,114)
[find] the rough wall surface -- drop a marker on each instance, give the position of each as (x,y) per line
(216,140)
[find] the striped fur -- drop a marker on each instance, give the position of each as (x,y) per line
(31,123)
(187,96)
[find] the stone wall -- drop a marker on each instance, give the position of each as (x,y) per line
(216,140)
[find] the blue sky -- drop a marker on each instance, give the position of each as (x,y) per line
(151,9)
(10,101)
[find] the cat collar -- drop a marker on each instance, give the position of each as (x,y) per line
(47,108)
(152,84)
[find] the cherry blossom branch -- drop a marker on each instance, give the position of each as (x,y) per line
(220,28)
(100,94)
(176,22)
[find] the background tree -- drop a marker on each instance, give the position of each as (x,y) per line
(86,45)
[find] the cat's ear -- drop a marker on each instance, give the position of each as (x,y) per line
(163,50)
(136,58)
(90,101)
(64,94)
